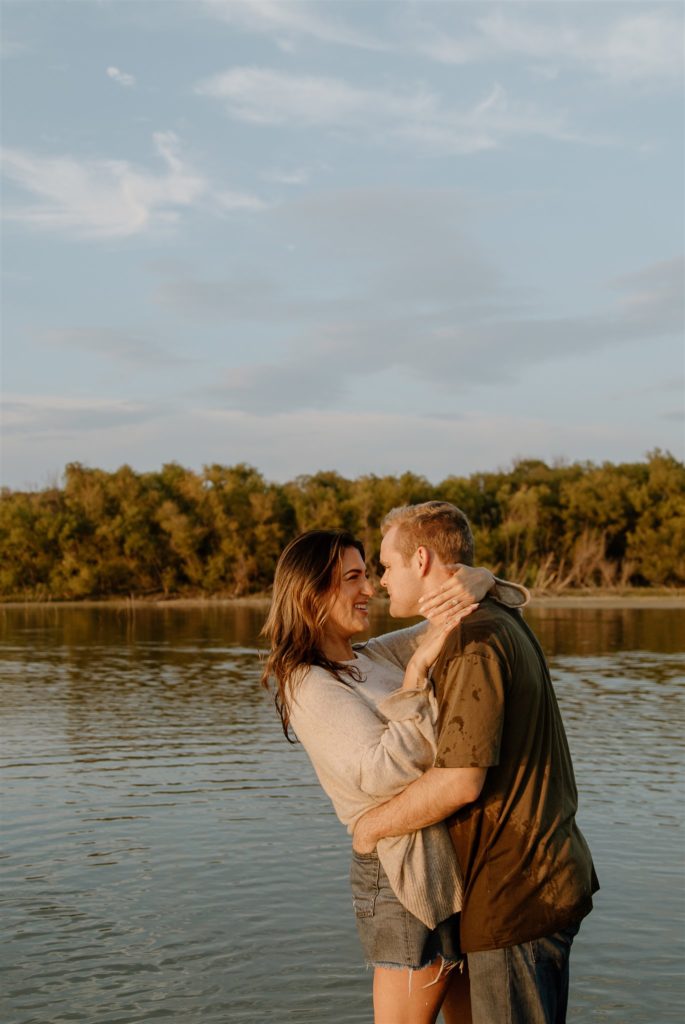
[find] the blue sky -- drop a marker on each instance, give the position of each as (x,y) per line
(363,236)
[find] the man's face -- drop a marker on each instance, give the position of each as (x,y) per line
(404,583)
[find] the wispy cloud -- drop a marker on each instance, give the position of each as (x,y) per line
(122,77)
(465,348)
(641,46)
(111,198)
(295,176)
(12,47)
(655,296)
(412,115)
(118,345)
(290,20)
(283,445)
(380,252)
(253,297)
(286,444)
(105,198)
(265,96)
(227,200)
(31,415)
(667,390)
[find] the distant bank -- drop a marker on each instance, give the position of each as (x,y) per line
(599,599)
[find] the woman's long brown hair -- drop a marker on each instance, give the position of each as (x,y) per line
(308,575)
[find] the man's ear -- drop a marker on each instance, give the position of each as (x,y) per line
(423,560)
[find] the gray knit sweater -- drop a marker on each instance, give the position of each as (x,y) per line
(367,741)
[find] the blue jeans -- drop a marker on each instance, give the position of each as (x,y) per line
(526,984)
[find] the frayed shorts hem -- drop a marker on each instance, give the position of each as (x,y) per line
(447,964)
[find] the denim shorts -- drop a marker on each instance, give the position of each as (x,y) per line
(389,934)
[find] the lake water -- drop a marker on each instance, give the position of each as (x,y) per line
(166,856)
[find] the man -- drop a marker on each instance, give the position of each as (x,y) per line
(503,778)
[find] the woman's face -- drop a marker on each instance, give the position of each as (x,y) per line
(349,612)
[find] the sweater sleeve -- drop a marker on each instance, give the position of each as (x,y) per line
(353,747)
(513,595)
(396,647)
(406,747)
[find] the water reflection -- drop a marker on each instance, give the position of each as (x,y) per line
(163,844)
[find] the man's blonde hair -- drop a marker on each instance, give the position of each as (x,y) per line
(437,525)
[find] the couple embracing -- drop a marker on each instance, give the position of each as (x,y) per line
(442,749)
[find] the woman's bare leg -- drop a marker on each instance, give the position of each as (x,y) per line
(456,1008)
(408,997)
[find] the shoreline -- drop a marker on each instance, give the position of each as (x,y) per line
(659,601)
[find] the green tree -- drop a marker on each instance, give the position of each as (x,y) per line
(656,541)
(220,531)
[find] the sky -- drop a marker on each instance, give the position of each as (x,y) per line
(364,236)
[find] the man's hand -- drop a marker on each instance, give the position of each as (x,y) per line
(432,798)
(364,839)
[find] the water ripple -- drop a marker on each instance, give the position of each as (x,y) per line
(166,856)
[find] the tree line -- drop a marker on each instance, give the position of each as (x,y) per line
(219,532)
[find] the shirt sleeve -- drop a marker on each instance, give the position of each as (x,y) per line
(471,712)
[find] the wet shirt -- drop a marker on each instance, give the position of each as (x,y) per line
(526,867)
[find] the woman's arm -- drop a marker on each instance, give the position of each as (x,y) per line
(396,647)
(455,592)
(463,591)
(417,672)
(354,746)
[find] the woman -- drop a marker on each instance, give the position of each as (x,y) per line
(366,717)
